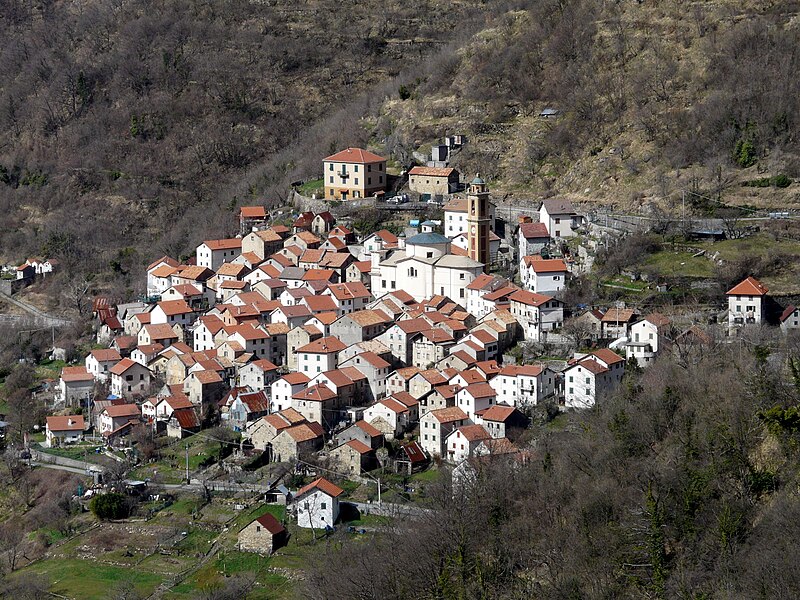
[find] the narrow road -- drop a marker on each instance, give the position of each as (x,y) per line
(38,316)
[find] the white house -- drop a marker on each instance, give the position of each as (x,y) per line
(426,267)
(543,276)
(349,297)
(212,253)
(462,442)
(319,355)
(317,504)
(159,274)
(475,398)
(172,312)
(129,378)
(790,319)
(436,425)
(99,362)
(536,313)
(592,376)
(746,303)
(646,339)
(63,430)
(75,384)
(282,390)
(115,416)
(257,375)
(559,217)
(523,385)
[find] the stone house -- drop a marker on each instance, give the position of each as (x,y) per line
(263,536)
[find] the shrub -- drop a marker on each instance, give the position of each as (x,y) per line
(109,506)
(404,92)
(781,181)
(744,154)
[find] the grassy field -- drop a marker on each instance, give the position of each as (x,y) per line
(92,580)
(311,187)
(670,263)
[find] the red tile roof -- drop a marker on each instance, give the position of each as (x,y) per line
(473,433)
(326,345)
(608,356)
(749,287)
(186,417)
(105,354)
(323,485)
(315,393)
(368,429)
(68,423)
(480,390)
(227,244)
(270,523)
(164,259)
(432,171)
(122,410)
(529,298)
(498,412)
(252,212)
(354,155)
(541,265)
(358,446)
(122,366)
(534,230)
(449,414)
(295,378)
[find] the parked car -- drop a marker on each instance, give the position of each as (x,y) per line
(399,199)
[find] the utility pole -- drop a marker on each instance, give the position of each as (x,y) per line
(187,463)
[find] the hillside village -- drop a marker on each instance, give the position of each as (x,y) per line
(345,354)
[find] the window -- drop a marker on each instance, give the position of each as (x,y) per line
(369,168)
(356,180)
(258,528)
(461,292)
(380,179)
(331,181)
(461,276)
(322,505)
(429,254)
(369,180)
(588,381)
(355,170)
(330,167)
(558,221)
(380,166)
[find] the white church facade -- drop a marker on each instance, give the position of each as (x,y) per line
(425,267)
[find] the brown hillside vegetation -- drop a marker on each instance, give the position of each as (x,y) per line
(654,97)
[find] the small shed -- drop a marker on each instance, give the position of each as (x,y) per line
(263,536)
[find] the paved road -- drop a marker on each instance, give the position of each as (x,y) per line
(37,316)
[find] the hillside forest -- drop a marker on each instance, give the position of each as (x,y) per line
(135,129)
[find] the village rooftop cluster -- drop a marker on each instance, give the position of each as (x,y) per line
(316,338)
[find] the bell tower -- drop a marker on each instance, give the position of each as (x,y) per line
(478,221)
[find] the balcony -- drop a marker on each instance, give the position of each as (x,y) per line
(343,174)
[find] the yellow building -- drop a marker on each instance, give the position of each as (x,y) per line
(353,173)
